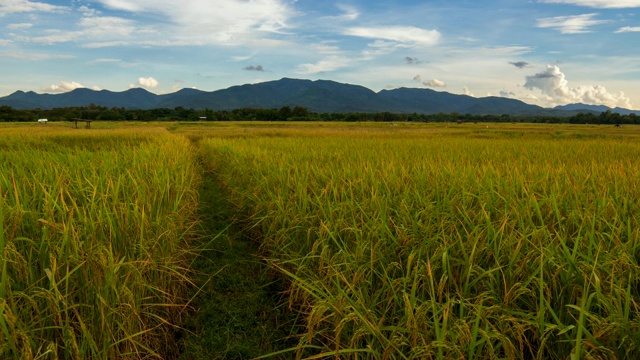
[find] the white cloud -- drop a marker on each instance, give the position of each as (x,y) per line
(20,6)
(93,28)
(19,26)
(4,42)
(492,52)
(554,86)
(628,29)
(379,48)
(326,48)
(435,83)
(33,56)
(241,58)
(603,4)
(405,35)
(107,27)
(88,12)
(63,87)
(214,21)
(106,60)
(349,13)
(578,24)
(148,83)
(466,91)
(329,64)
(430,83)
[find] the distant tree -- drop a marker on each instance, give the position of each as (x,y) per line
(299,112)
(285,113)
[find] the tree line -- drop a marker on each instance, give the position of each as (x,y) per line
(287,113)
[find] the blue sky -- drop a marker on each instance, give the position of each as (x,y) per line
(544,52)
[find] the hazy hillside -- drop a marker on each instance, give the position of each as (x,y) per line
(317,96)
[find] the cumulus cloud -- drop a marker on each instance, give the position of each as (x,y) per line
(21,6)
(628,29)
(63,87)
(466,91)
(430,83)
(148,83)
(407,36)
(578,24)
(552,83)
(507,94)
(603,4)
(435,83)
(254,68)
(520,64)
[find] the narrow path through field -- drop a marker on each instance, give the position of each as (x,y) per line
(237,312)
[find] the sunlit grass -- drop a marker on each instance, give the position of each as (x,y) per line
(412,241)
(447,244)
(94,233)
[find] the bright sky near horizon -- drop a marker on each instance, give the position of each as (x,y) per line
(544,52)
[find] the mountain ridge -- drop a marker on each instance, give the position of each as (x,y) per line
(316,96)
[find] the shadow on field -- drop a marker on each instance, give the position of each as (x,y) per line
(239,310)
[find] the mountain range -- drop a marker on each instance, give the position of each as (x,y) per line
(316,96)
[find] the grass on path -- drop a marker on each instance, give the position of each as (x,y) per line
(238,312)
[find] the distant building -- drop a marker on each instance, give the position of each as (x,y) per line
(42,120)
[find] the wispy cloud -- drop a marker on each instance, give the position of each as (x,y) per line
(214,21)
(92,28)
(578,24)
(602,4)
(627,29)
(243,57)
(106,60)
(20,26)
(331,63)
(34,56)
(467,91)
(408,36)
(349,13)
(502,51)
(88,12)
(23,6)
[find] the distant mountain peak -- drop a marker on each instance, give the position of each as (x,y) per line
(316,96)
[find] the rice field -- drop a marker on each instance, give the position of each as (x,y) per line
(416,241)
(436,243)
(93,241)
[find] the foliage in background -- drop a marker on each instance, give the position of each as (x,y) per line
(297,113)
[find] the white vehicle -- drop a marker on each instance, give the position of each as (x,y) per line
(42,120)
